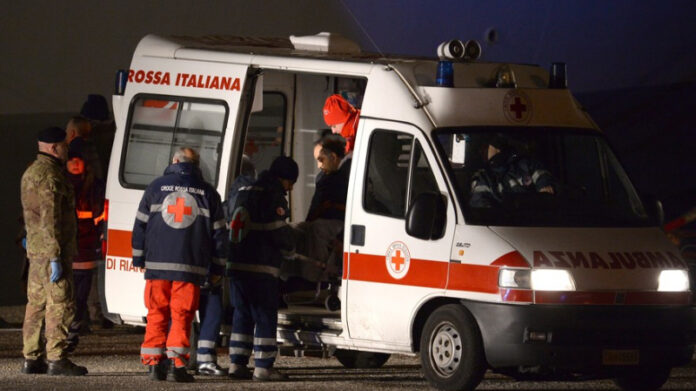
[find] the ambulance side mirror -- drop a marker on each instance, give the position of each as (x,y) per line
(653,207)
(426,216)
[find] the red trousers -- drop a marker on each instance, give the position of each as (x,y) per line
(171,306)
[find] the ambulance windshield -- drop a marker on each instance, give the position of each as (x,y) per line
(539,177)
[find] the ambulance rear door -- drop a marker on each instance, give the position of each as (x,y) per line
(168,104)
(388,273)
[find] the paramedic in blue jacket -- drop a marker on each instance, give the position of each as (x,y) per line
(212,311)
(180,238)
(260,240)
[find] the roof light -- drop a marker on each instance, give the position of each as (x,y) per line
(557,78)
(445,74)
(324,42)
(121,81)
(505,77)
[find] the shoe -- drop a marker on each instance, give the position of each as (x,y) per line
(210,369)
(65,367)
(178,374)
(33,367)
(268,374)
(157,372)
(240,372)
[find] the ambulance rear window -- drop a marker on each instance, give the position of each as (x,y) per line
(158,126)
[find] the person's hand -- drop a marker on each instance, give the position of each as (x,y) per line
(56,271)
(215,280)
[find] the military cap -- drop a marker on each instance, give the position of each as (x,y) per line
(51,135)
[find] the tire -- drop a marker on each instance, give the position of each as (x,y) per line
(643,379)
(451,349)
(360,360)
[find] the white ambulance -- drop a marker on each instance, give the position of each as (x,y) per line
(575,283)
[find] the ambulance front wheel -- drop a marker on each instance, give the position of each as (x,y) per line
(451,350)
(643,379)
(360,360)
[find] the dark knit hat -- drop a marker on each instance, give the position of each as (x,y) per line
(284,167)
(95,108)
(76,148)
(51,135)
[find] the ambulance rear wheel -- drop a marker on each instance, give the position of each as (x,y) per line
(643,379)
(451,350)
(360,360)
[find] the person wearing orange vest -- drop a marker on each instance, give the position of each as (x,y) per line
(89,205)
(343,118)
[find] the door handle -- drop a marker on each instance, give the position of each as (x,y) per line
(357,235)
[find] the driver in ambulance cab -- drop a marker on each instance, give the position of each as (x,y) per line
(507,172)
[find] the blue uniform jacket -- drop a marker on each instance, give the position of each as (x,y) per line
(180,232)
(259,234)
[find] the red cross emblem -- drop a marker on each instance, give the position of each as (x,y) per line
(179,210)
(239,224)
(517,106)
(398,260)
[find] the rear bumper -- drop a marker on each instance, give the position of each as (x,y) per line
(584,338)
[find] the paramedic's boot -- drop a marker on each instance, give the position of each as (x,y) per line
(65,367)
(239,372)
(157,372)
(32,367)
(268,374)
(178,374)
(210,369)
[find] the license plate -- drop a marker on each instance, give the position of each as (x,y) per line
(620,357)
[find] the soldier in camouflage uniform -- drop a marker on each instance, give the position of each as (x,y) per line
(48,203)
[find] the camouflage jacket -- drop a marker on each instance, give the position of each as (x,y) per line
(48,202)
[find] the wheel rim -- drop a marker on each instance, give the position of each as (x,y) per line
(445,349)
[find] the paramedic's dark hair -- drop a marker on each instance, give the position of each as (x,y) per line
(334,144)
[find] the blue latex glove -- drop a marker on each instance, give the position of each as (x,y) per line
(24,242)
(56,271)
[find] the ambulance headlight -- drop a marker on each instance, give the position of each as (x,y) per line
(552,280)
(514,278)
(673,281)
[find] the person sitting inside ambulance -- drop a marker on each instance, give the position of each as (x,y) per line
(343,118)
(318,237)
(507,172)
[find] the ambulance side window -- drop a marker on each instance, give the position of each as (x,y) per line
(387,173)
(158,126)
(264,137)
(422,178)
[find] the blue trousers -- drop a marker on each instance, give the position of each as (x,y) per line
(255,303)
(210,311)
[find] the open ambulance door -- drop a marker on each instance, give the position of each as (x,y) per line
(388,273)
(167,104)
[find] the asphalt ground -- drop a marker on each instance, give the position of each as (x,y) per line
(111,356)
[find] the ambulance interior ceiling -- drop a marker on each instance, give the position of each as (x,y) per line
(630,64)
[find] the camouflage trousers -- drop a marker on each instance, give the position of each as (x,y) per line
(52,302)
